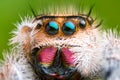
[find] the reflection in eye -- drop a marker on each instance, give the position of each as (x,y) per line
(52,28)
(68,28)
(82,23)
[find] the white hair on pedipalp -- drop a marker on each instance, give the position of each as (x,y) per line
(112,41)
(18,66)
(111,53)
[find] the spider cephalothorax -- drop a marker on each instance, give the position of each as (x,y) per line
(53,41)
(52,55)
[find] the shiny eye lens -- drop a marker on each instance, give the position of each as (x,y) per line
(52,28)
(82,23)
(68,28)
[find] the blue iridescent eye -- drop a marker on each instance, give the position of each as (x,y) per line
(52,28)
(68,28)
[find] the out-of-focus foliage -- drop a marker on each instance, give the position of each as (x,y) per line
(12,10)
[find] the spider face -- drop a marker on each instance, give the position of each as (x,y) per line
(53,41)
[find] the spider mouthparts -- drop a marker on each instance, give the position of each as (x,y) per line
(56,75)
(48,54)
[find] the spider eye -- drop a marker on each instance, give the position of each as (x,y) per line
(52,28)
(68,28)
(38,26)
(82,23)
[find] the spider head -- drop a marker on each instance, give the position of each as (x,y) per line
(57,46)
(53,35)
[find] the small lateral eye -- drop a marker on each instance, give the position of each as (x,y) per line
(52,28)
(82,23)
(68,28)
(38,26)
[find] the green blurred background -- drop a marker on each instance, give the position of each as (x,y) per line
(11,10)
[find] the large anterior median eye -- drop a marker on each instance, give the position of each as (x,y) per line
(68,28)
(52,28)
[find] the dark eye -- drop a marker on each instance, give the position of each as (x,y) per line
(68,28)
(38,26)
(82,23)
(52,28)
